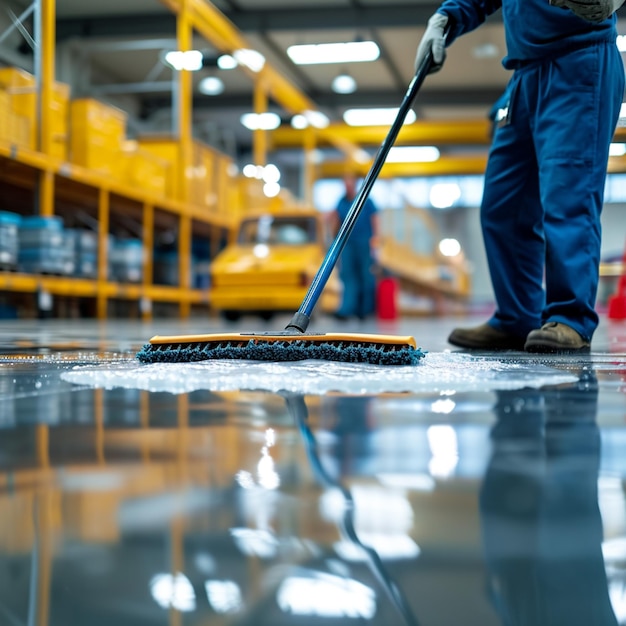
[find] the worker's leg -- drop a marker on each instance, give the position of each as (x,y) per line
(511,219)
(576,120)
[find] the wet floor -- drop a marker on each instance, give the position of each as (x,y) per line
(484,489)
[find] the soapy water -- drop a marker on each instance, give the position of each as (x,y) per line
(436,372)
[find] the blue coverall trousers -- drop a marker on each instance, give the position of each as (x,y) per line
(359,283)
(544,189)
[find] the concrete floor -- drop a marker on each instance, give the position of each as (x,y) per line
(476,489)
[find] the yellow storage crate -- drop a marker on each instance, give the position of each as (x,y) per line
(226,187)
(201,176)
(251,195)
(21,89)
(209,179)
(166,150)
(59,121)
(97,136)
(5,116)
(146,171)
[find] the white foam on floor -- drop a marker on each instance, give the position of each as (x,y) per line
(436,372)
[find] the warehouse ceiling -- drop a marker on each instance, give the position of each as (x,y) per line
(113,50)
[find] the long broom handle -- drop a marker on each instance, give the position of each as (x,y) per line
(301,319)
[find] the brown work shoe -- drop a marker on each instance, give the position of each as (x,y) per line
(556,337)
(485,337)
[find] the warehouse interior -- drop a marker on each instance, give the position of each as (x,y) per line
(143,147)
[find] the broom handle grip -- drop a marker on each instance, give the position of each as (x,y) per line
(332,255)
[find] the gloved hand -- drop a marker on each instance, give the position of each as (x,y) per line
(434,40)
(590,10)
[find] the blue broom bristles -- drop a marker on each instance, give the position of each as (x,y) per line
(256,350)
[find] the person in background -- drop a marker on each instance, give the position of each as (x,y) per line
(545,177)
(357,257)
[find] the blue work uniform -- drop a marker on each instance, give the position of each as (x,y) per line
(545,177)
(355,267)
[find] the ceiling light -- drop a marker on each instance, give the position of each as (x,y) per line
(362,156)
(449,247)
(249,170)
(316,119)
(344,83)
(251,59)
(299,122)
(190,60)
(444,195)
(226,62)
(621,43)
(271,174)
(375,117)
(413,154)
(617,149)
(260,121)
(271,190)
(348,52)
(211,86)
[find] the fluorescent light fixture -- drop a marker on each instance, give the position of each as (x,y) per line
(449,247)
(444,195)
(271,174)
(251,59)
(362,156)
(621,43)
(271,190)
(261,121)
(249,170)
(317,119)
(299,122)
(211,86)
(375,117)
(190,60)
(343,83)
(320,53)
(227,62)
(268,174)
(617,149)
(413,154)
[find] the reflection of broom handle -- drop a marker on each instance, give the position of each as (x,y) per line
(296,405)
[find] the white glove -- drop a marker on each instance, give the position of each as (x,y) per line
(590,10)
(434,40)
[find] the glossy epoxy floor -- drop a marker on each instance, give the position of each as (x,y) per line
(490,490)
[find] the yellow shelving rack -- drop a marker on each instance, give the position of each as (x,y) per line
(35,151)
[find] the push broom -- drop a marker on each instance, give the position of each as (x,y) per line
(294,343)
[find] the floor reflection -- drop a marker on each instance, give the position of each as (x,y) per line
(451,506)
(542,527)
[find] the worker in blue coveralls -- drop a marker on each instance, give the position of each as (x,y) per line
(357,257)
(545,177)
